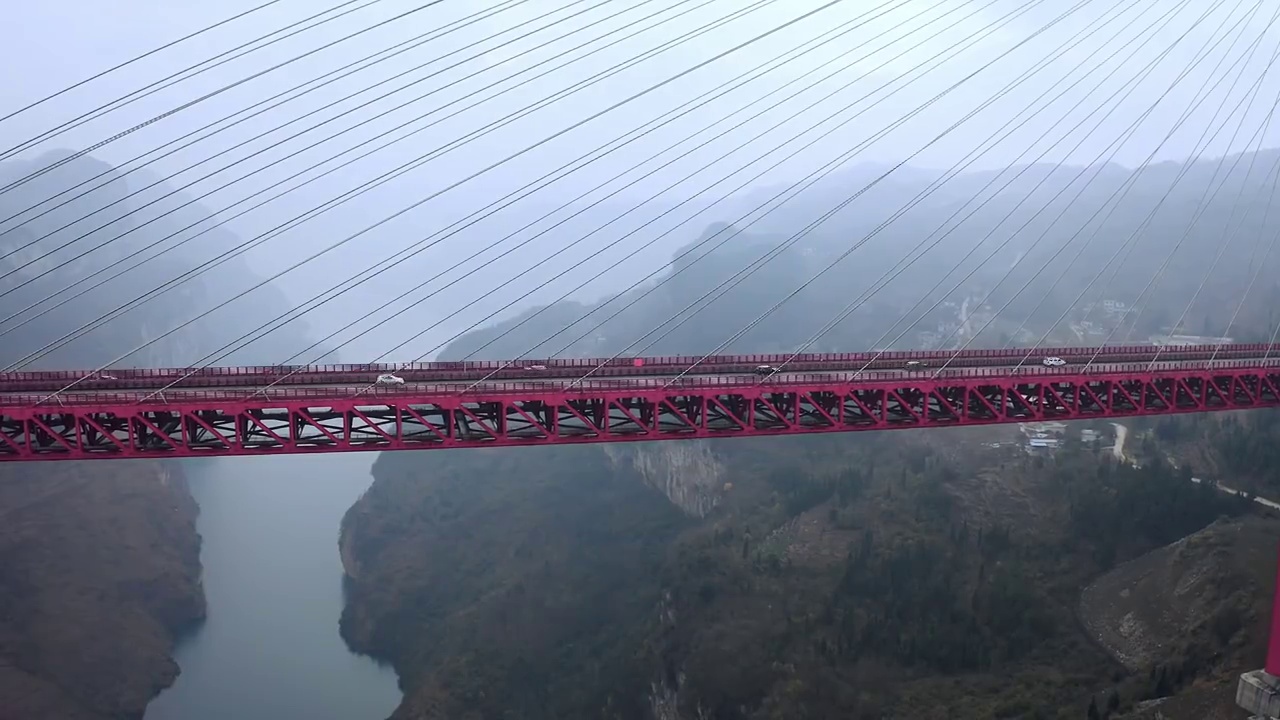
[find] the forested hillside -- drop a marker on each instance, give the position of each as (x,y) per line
(1107,246)
(926,574)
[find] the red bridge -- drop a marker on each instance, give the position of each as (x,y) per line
(76,415)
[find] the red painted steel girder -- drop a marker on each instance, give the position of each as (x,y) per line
(301,420)
(137,379)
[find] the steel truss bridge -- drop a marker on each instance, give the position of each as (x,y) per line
(216,411)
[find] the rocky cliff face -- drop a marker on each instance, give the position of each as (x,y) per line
(423,561)
(688,474)
(1143,608)
(99,561)
(99,575)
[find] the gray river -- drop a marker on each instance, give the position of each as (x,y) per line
(270,648)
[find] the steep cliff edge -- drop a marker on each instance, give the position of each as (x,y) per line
(688,474)
(572,570)
(863,576)
(99,561)
(858,576)
(99,575)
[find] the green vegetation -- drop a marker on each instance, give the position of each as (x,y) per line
(1121,511)
(1243,447)
(864,576)
(498,615)
(839,577)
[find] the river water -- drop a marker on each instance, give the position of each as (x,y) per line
(270,648)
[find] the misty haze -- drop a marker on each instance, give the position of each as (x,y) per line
(395,243)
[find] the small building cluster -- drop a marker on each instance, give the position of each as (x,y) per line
(1048,436)
(1183,340)
(1043,435)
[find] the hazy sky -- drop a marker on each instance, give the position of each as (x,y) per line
(877,62)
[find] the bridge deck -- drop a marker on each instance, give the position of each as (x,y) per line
(629,367)
(248,421)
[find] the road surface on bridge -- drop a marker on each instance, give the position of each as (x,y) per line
(391,393)
(245,419)
(494,375)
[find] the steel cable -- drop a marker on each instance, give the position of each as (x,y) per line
(830,266)
(1252,48)
(1203,207)
(276,144)
(151,89)
(1271,343)
(385,177)
(1128,133)
(907,262)
(783,144)
(1134,237)
(614,106)
(735,223)
(1053,257)
(733,281)
(542,182)
(1232,234)
(704,167)
(136,58)
(333,76)
(1131,242)
(1254,263)
(1145,224)
(707,165)
(953,52)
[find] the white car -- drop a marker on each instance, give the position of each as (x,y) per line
(390,379)
(536,368)
(1054,362)
(765,370)
(914,364)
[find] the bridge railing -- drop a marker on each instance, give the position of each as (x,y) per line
(124,380)
(635,364)
(922,379)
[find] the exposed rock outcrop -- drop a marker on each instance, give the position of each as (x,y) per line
(1194,612)
(1143,609)
(687,473)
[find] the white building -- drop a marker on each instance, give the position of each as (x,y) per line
(1183,340)
(1043,440)
(1043,428)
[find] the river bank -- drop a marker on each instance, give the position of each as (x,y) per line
(99,574)
(273,579)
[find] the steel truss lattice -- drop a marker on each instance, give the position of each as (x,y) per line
(195,424)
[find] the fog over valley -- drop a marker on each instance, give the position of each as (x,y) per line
(280,183)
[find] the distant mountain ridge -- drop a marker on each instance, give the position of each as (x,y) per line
(99,561)
(1037,219)
(110,241)
(923,574)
